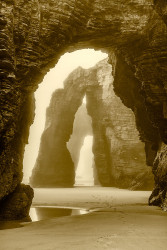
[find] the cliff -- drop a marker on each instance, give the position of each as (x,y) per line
(119,154)
(160,172)
(33,36)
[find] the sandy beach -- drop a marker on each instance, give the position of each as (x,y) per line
(119,219)
(88,197)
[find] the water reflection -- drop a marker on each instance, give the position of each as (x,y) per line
(79,211)
(33,214)
(42,213)
(50,212)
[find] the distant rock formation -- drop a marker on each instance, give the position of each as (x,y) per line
(119,154)
(82,128)
(54,166)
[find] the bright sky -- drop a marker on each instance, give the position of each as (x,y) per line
(85,58)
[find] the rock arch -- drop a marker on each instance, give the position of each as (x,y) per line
(34,34)
(118,153)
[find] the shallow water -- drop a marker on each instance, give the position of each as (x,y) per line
(57,202)
(48,212)
(87,197)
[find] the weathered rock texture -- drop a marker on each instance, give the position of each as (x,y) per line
(34,34)
(17,204)
(159,195)
(119,154)
(161,8)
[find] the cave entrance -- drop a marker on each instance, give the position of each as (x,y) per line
(54,79)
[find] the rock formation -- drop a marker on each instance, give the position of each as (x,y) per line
(54,166)
(119,154)
(34,34)
(159,195)
(17,204)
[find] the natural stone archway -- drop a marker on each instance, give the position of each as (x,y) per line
(34,34)
(119,155)
(54,166)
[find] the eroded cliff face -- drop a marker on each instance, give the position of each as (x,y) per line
(159,195)
(127,87)
(34,34)
(119,154)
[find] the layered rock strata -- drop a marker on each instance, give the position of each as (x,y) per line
(119,154)
(34,34)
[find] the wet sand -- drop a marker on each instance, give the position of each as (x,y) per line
(121,220)
(88,197)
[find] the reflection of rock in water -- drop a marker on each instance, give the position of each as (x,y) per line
(33,214)
(42,213)
(84,173)
(79,211)
(50,212)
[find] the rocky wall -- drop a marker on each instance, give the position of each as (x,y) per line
(161,8)
(159,194)
(17,204)
(119,154)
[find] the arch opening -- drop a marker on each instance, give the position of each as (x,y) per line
(114,139)
(53,80)
(80,147)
